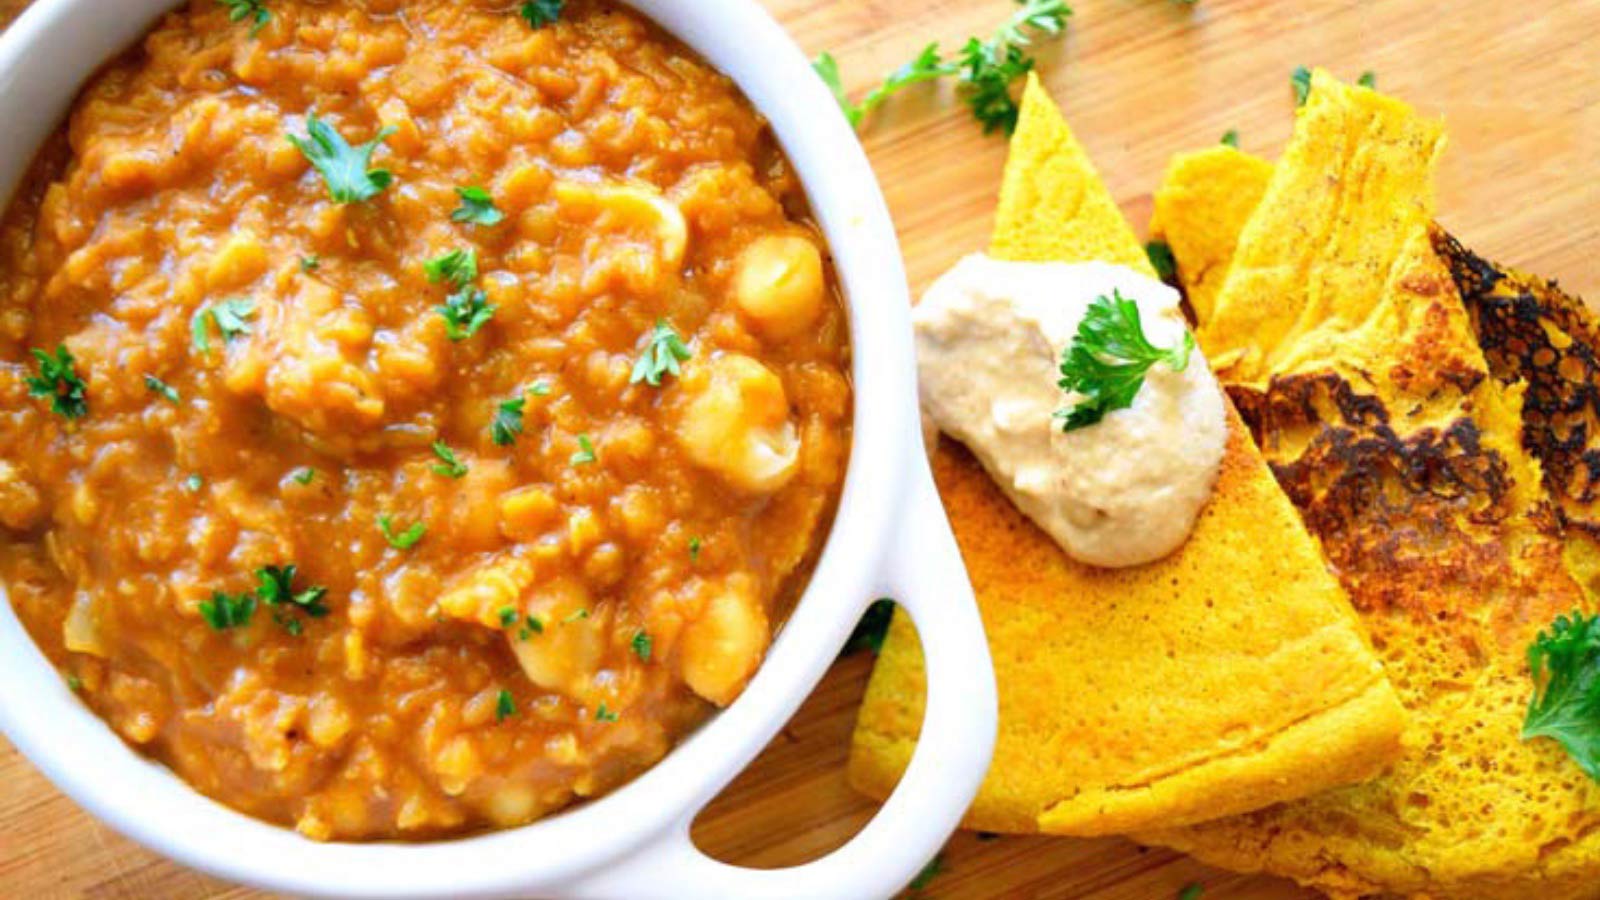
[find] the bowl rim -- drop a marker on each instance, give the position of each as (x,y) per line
(50,51)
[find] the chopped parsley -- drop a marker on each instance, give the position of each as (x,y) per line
(464,312)
(871,630)
(540,389)
(604,715)
(74,683)
(231,319)
(1192,892)
(540,13)
(986,69)
(344,168)
(253,10)
(193,483)
(58,379)
(577,615)
(1368,79)
(508,616)
(641,645)
(156,386)
(533,625)
(459,267)
(663,350)
(1230,138)
(303,475)
(310,263)
(1564,661)
(1108,358)
(476,208)
(276,590)
(1300,80)
(224,611)
(585,454)
(505,706)
(406,539)
(1162,260)
(694,549)
(448,466)
(507,422)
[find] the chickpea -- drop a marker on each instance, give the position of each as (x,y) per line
(721,649)
(734,420)
(778,284)
(565,655)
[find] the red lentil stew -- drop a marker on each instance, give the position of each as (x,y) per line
(414,416)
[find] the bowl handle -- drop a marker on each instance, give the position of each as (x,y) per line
(958,732)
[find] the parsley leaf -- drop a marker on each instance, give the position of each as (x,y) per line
(1108,359)
(694,549)
(1368,79)
(194,483)
(448,466)
(276,588)
(477,207)
(870,632)
(343,167)
(585,454)
(254,10)
(540,389)
(540,13)
(605,715)
(508,616)
(230,318)
(224,611)
(1230,138)
(1192,892)
(1565,707)
(507,422)
(464,312)
(986,69)
(663,350)
(1162,260)
(405,540)
(58,380)
(310,263)
(641,645)
(534,626)
(1300,80)
(505,706)
(459,267)
(156,386)
(304,475)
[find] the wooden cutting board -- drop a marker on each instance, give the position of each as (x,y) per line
(1139,79)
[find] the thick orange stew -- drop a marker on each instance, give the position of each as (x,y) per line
(414,416)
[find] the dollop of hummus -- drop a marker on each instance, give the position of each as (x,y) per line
(1121,492)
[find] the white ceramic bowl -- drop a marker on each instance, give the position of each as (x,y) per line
(890,539)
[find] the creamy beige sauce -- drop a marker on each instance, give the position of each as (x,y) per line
(1122,492)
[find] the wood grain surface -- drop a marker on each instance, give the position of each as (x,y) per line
(1139,79)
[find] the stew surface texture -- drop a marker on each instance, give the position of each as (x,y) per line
(545,399)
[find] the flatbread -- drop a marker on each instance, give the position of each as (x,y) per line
(1356,362)
(1225,677)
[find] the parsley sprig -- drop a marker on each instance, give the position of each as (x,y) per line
(476,208)
(404,540)
(1565,707)
(156,386)
(467,309)
(224,611)
(663,350)
(986,69)
(231,319)
(344,168)
(276,589)
(507,423)
(58,379)
(448,466)
(1108,359)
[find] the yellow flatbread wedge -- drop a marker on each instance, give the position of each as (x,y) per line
(1226,677)
(1355,360)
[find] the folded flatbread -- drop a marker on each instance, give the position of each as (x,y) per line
(1364,374)
(1226,677)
